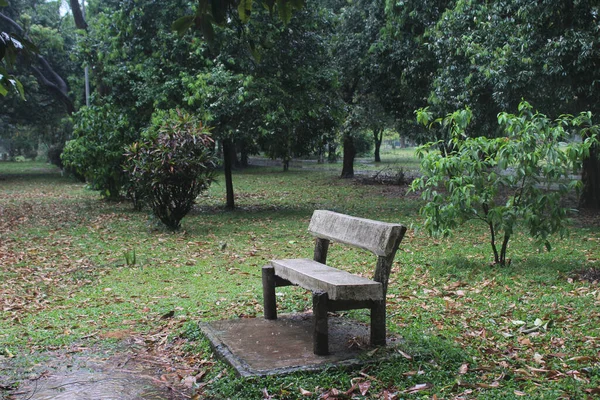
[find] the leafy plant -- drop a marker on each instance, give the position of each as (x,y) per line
(130,258)
(171,166)
(520,178)
(101,133)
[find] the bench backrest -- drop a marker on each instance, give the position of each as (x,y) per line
(381,238)
(375,236)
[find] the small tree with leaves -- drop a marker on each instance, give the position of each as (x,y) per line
(516,181)
(171,166)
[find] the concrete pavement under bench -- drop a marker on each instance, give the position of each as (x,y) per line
(260,347)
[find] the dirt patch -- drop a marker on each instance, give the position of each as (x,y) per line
(591,275)
(137,367)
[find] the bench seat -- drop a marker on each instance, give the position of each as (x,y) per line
(339,285)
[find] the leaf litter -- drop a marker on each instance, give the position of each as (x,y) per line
(43,266)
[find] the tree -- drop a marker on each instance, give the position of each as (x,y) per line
(385,69)
(41,67)
(359,27)
(220,96)
(42,71)
(493,54)
(519,178)
(137,62)
(281,98)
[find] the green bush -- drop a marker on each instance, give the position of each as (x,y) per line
(171,166)
(520,179)
(101,134)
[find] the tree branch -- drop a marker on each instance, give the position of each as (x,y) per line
(53,87)
(16,27)
(46,74)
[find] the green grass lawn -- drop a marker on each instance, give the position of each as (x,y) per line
(467,324)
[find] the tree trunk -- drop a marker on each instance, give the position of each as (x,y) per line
(378,136)
(349,154)
(590,197)
(78,15)
(244,156)
(228,150)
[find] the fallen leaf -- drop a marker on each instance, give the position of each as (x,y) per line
(463,369)
(492,385)
(538,358)
(581,358)
(363,387)
(407,356)
(305,392)
(418,388)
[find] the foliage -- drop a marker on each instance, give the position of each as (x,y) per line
(171,166)
(9,48)
(96,151)
(490,55)
(208,13)
(521,178)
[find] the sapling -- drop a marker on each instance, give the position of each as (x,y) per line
(517,180)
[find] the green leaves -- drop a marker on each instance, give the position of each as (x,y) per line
(172,166)
(520,178)
(182,24)
(244,10)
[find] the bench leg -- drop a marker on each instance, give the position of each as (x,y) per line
(378,324)
(320,331)
(269,301)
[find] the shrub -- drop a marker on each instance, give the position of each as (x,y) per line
(171,166)
(520,178)
(96,152)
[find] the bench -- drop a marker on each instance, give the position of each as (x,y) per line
(334,289)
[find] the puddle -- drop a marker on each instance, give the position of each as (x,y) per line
(129,371)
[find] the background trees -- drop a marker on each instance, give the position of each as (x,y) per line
(294,78)
(493,54)
(46,72)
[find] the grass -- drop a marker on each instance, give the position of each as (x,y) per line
(64,279)
(393,160)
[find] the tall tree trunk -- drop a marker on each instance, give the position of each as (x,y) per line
(378,136)
(228,149)
(78,15)
(590,197)
(349,154)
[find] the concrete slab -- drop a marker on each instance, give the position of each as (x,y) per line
(260,347)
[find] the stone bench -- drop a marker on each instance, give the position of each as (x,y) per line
(334,289)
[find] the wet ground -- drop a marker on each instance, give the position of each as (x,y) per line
(126,371)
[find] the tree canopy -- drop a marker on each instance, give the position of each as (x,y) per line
(292,78)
